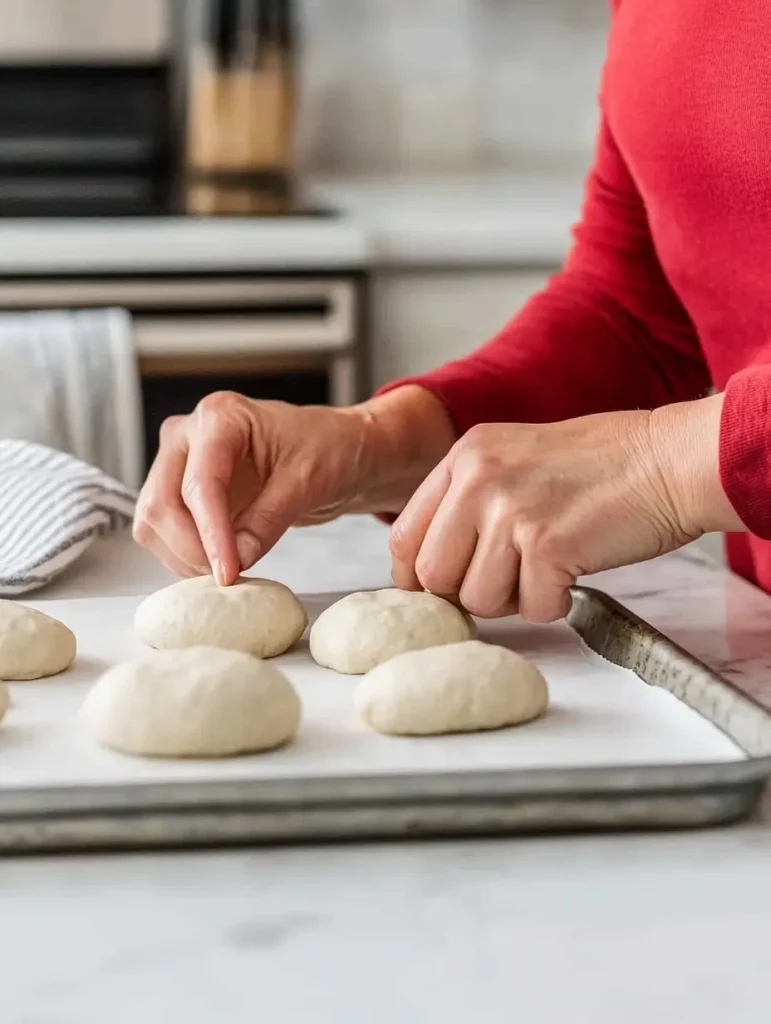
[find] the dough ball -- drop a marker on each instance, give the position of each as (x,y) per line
(260,617)
(362,630)
(5,700)
(200,702)
(33,645)
(464,687)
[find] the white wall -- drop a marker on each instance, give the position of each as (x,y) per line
(449,84)
(83,29)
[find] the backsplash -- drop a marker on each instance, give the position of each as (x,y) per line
(449,85)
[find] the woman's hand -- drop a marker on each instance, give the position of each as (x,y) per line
(230,478)
(515,513)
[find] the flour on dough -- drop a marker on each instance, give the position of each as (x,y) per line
(32,644)
(198,702)
(362,630)
(259,617)
(465,687)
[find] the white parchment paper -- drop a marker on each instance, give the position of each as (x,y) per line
(599,715)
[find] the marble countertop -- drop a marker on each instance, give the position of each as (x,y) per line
(585,929)
(150,245)
(520,218)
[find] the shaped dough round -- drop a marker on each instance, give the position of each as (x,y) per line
(33,645)
(5,700)
(259,617)
(466,687)
(363,630)
(200,702)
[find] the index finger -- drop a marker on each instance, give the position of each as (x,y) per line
(210,465)
(409,530)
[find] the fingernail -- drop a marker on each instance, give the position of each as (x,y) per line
(218,571)
(248,548)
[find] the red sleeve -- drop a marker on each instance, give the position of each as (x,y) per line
(607,333)
(745,444)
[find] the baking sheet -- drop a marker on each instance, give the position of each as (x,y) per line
(600,715)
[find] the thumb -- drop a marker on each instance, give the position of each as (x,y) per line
(280,504)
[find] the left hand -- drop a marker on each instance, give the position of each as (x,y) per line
(515,513)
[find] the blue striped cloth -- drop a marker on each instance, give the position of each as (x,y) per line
(52,507)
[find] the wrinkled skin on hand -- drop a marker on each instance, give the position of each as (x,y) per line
(233,476)
(515,513)
(502,519)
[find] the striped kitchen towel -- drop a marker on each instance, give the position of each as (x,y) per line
(52,507)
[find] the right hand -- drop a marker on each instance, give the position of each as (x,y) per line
(234,475)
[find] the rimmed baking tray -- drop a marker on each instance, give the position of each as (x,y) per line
(309,807)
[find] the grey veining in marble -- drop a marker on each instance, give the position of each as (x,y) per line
(719,617)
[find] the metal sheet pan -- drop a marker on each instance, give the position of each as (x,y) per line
(431,803)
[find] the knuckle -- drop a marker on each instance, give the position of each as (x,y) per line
(477,436)
(268,522)
(500,512)
(478,606)
(141,531)
(267,518)
(218,402)
(541,542)
(306,476)
(149,514)
(396,541)
(398,544)
(170,428)
(432,578)
(482,604)
(476,462)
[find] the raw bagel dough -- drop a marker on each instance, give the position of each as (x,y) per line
(4,699)
(200,702)
(33,645)
(260,617)
(362,630)
(464,687)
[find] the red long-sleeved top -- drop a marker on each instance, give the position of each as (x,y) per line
(667,288)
